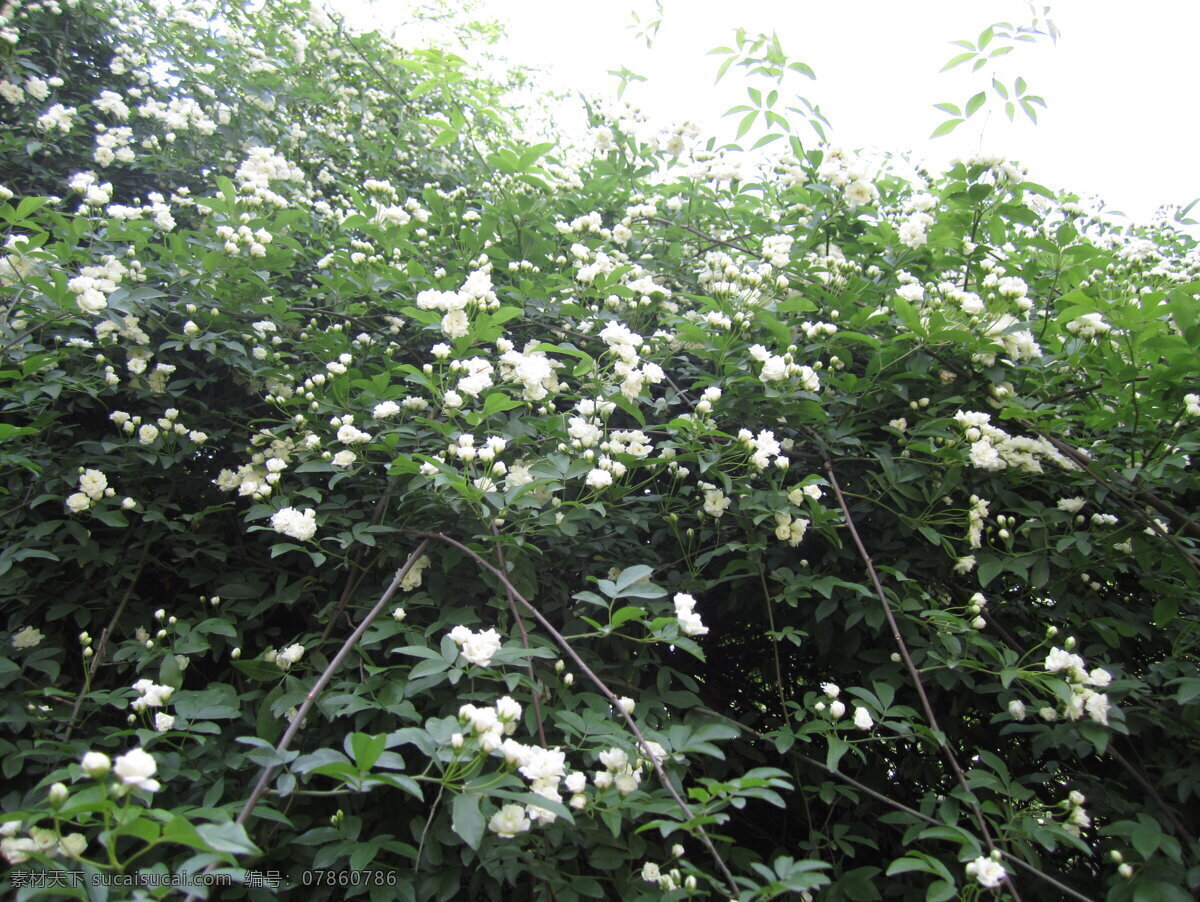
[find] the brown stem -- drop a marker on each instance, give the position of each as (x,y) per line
(774,644)
(355,574)
(104,634)
(1180,829)
(310,699)
(1085,464)
(512,606)
(705,236)
(900,806)
(599,684)
(930,717)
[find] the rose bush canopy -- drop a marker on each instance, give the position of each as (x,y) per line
(398,507)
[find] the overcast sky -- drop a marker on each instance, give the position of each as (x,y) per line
(1120,84)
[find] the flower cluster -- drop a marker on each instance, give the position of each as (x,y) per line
(994,449)
(152,695)
(477,648)
(987,872)
(689,620)
(299,525)
(1084,698)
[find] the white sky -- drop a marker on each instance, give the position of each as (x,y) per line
(1121,118)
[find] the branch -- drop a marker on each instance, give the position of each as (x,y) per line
(930,717)
(103,643)
(1085,464)
(512,606)
(268,770)
(599,684)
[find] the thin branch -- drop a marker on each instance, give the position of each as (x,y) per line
(1149,787)
(356,575)
(310,699)
(1085,464)
(516,612)
(709,238)
(599,684)
(102,645)
(900,806)
(930,717)
(783,710)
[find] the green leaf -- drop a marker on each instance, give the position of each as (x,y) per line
(466,818)
(228,837)
(957,60)
(989,568)
(837,748)
(946,127)
(624,615)
(366,749)
(975,103)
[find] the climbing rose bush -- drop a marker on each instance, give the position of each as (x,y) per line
(705,489)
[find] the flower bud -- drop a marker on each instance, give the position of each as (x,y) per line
(58,795)
(456,741)
(95,764)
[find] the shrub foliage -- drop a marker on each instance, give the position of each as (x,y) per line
(395,507)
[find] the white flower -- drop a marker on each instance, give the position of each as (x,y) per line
(289,656)
(163,722)
(626,704)
(477,648)
(509,821)
(651,872)
(136,768)
(832,690)
(399,614)
(30,637)
(152,695)
(147,434)
(715,503)
(507,709)
(689,620)
(625,783)
(1071,505)
(93,483)
(862,718)
(293,523)
(1016,709)
(455,325)
(344,458)
(837,709)
(95,764)
(386,409)
(599,479)
(987,873)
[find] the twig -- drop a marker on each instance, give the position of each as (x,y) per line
(1085,464)
(512,606)
(774,644)
(599,684)
(104,634)
(310,699)
(930,717)
(357,575)
(706,236)
(900,806)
